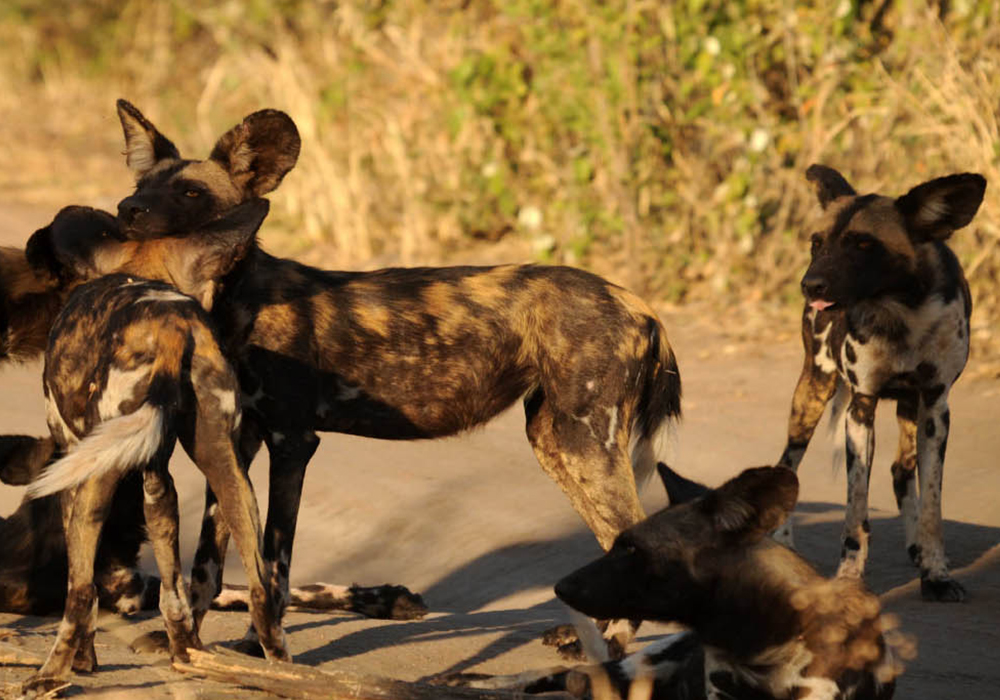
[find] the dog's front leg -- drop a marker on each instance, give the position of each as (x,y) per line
(816,385)
(932,439)
(209,559)
(860,447)
(904,470)
(290,454)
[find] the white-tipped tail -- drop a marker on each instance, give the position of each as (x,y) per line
(661,446)
(119,443)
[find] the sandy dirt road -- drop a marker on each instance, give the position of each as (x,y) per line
(475,526)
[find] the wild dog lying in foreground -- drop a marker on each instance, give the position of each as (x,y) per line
(132,366)
(887,317)
(33,565)
(762,622)
(410,353)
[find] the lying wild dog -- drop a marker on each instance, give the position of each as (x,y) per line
(133,365)
(410,353)
(762,622)
(33,565)
(33,288)
(887,317)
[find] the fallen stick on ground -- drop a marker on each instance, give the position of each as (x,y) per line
(10,654)
(306,683)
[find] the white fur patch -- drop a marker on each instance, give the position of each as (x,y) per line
(164,295)
(227,400)
(121,387)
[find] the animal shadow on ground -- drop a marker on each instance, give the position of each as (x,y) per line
(512,569)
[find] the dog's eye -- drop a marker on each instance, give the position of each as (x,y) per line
(192,193)
(862,244)
(815,241)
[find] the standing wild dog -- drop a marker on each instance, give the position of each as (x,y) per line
(410,353)
(887,317)
(156,375)
(34,285)
(763,624)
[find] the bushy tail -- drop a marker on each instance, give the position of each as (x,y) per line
(119,443)
(659,405)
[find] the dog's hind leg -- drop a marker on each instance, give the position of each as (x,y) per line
(932,440)
(210,555)
(84,511)
(860,447)
(160,508)
(588,458)
(813,391)
(211,443)
(904,468)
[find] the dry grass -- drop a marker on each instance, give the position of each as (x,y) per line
(661,146)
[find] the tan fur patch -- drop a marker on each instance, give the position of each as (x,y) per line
(216,179)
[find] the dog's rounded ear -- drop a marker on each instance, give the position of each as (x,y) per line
(933,210)
(145,146)
(259,151)
(829,184)
(41,254)
(754,503)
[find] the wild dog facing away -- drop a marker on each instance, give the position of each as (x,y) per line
(156,375)
(33,567)
(762,623)
(411,353)
(887,317)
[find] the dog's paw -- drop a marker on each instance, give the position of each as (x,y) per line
(559,635)
(943,590)
(387,602)
(85,659)
(155,642)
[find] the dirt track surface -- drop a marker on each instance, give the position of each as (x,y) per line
(475,526)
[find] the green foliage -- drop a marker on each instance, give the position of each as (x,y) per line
(664,138)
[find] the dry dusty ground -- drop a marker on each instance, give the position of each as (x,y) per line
(474,525)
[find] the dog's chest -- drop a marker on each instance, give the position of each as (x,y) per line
(929,346)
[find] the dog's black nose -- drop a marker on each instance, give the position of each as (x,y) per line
(814,286)
(129,211)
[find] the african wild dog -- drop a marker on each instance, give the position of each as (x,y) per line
(33,565)
(887,317)
(763,624)
(411,353)
(155,375)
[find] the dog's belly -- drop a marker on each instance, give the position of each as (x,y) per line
(399,404)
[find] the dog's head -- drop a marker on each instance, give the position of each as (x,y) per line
(867,247)
(668,566)
(82,244)
(175,196)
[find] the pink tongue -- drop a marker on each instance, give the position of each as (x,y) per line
(819,304)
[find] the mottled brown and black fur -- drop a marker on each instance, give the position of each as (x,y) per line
(761,623)
(156,375)
(887,317)
(414,353)
(33,564)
